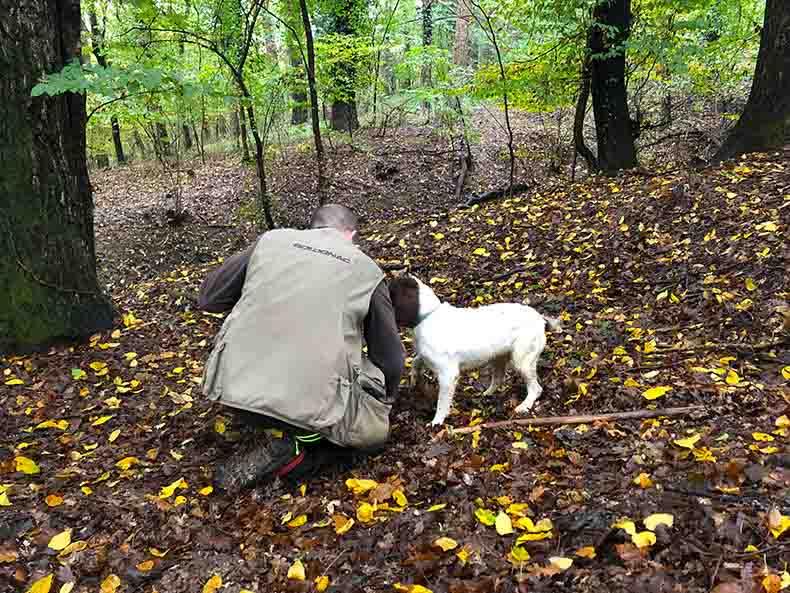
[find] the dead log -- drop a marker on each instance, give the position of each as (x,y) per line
(496,194)
(588,419)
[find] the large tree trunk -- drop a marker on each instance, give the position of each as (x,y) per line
(343,113)
(101,58)
(48,283)
(319,146)
(765,122)
(580,146)
(610,102)
(461,44)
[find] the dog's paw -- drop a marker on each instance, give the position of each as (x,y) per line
(522,409)
(435,422)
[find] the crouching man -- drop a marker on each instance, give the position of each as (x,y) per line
(289,355)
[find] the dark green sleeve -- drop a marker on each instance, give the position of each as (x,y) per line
(385,348)
(221,289)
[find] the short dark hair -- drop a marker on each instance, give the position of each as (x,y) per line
(334,216)
(405,296)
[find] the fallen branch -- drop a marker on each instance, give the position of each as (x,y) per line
(496,194)
(553,420)
(516,270)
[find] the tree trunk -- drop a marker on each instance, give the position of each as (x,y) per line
(580,146)
(48,283)
(343,113)
(427,41)
(613,129)
(235,128)
(101,58)
(319,146)
(187,136)
(264,192)
(245,146)
(138,142)
(461,45)
(765,122)
(299,111)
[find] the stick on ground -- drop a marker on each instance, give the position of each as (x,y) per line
(553,420)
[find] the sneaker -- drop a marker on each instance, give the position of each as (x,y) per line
(265,457)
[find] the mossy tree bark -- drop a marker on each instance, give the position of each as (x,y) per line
(48,284)
(765,123)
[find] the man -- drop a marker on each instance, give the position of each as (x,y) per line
(289,354)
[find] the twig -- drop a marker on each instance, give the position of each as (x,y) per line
(588,419)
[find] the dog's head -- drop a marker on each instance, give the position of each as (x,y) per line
(411,299)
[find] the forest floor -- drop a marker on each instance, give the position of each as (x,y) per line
(673,290)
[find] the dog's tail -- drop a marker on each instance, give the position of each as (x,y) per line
(554,322)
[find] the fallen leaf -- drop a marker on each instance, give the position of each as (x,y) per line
(61,540)
(365,512)
(643,481)
(411,588)
(656,392)
(298,521)
(504,525)
(296,571)
(66,587)
(157,553)
(628,526)
(761,436)
(400,498)
(110,584)
(485,516)
(42,585)
(561,562)
(60,424)
(688,442)
(657,519)
(436,507)
(8,554)
(101,420)
(360,486)
(206,491)
(643,539)
(114,435)
(342,523)
(77,546)
(167,491)
(4,502)
(126,463)
(26,465)
(586,552)
(446,543)
(518,555)
(214,583)
(145,566)
(53,500)
(321,583)
(772,583)
(463,555)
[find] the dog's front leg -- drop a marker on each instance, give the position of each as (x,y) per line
(448,378)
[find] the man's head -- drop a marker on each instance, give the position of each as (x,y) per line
(337,217)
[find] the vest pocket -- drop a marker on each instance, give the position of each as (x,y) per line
(366,422)
(211,373)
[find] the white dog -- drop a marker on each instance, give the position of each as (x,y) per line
(451,339)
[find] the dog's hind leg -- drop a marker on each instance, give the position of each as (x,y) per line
(498,368)
(526,352)
(448,378)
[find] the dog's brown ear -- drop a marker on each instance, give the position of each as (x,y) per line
(405,296)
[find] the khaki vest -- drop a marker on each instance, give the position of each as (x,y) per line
(291,348)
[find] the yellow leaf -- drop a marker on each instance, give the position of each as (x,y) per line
(649,347)
(15,381)
(98,366)
(53,500)
(145,566)
(657,519)
(436,507)
(296,571)
(475,439)
(643,539)
(628,526)
(365,512)
(110,584)
(481,251)
(179,500)
(77,546)
(411,588)
(214,583)
(778,527)
(157,553)
(785,579)
(66,587)
(761,436)
(463,556)
(704,454)
(86,490)
(4,502)
(688,442)
(656,392)
(586,552)
(630,383)
(751,548)
(643,481)
(321,583)
(61,424)
(61,540)
(446,543)
(114,435)
(485,516)
(517,509)
(100,421)
(360,486)
(772,583)
(750,284)
(561,562)
(219,426)
(504,526)
(732,378)
(42,585)
(786,372)
(167,491)
(26,465)
(342,523)
(303,489)
(518,555)
(206,491)
(127,462)
(298,521)
(400,498)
